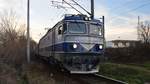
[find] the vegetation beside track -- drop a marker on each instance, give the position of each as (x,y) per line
(33,73)
(144,65)
(128,73)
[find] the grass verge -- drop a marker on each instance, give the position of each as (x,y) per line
(127,73)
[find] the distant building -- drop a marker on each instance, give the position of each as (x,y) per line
(121,43)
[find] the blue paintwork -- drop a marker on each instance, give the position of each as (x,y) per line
(74,17)
(80,17)
(68,47)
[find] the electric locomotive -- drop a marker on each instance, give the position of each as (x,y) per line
(76,42)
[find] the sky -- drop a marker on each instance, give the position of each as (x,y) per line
(120,15)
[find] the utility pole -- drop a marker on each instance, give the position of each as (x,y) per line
(103,20)
(138,29)
(92,9)
(28,31)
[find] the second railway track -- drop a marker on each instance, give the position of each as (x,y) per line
(96,79)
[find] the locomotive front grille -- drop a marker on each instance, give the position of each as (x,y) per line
(84,63)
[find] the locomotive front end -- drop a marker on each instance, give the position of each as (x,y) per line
(83,46)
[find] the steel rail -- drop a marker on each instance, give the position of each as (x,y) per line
(111,79)
(95,79)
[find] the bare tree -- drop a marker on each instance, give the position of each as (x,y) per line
(144,30)
(12,37)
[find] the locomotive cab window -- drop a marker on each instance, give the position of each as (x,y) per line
(95,29)
(76,27)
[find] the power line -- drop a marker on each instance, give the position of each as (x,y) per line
(143,5)
(81,7)
(72,3)
(72,6)
(139,7)
(62,2)
(60,6)
(57,5)
(123,5)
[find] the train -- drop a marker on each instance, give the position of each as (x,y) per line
(76,43)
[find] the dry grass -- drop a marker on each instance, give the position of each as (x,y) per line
(8,74)
(38,74)
(35,73)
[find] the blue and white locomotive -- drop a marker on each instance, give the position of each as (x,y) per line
(76,42)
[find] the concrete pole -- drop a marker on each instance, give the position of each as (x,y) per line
(28,31)
(138,29)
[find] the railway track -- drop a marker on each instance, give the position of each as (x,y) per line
(111,79)
(67,78)
(96,79)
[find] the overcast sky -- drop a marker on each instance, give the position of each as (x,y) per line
(121,15)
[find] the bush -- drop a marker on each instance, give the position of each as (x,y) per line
(138,54)
(13,39)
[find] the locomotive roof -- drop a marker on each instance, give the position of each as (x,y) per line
(80,17)
(69,17)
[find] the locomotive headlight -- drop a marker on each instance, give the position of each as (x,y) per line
(75,46)
(90,19)
(100,46)
(86,18)
(100,32)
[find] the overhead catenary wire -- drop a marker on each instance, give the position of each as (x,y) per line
(123,5)
(62,2)
(131,10)
(82,7)
(60,6)
(71,4)
(57,5)
(58,14)
(139,7)
(72,7)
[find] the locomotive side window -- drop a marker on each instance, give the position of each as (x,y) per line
(60,29)
(75,27)
(64,28)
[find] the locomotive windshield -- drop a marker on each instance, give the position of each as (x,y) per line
(95,29)
(77,27)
